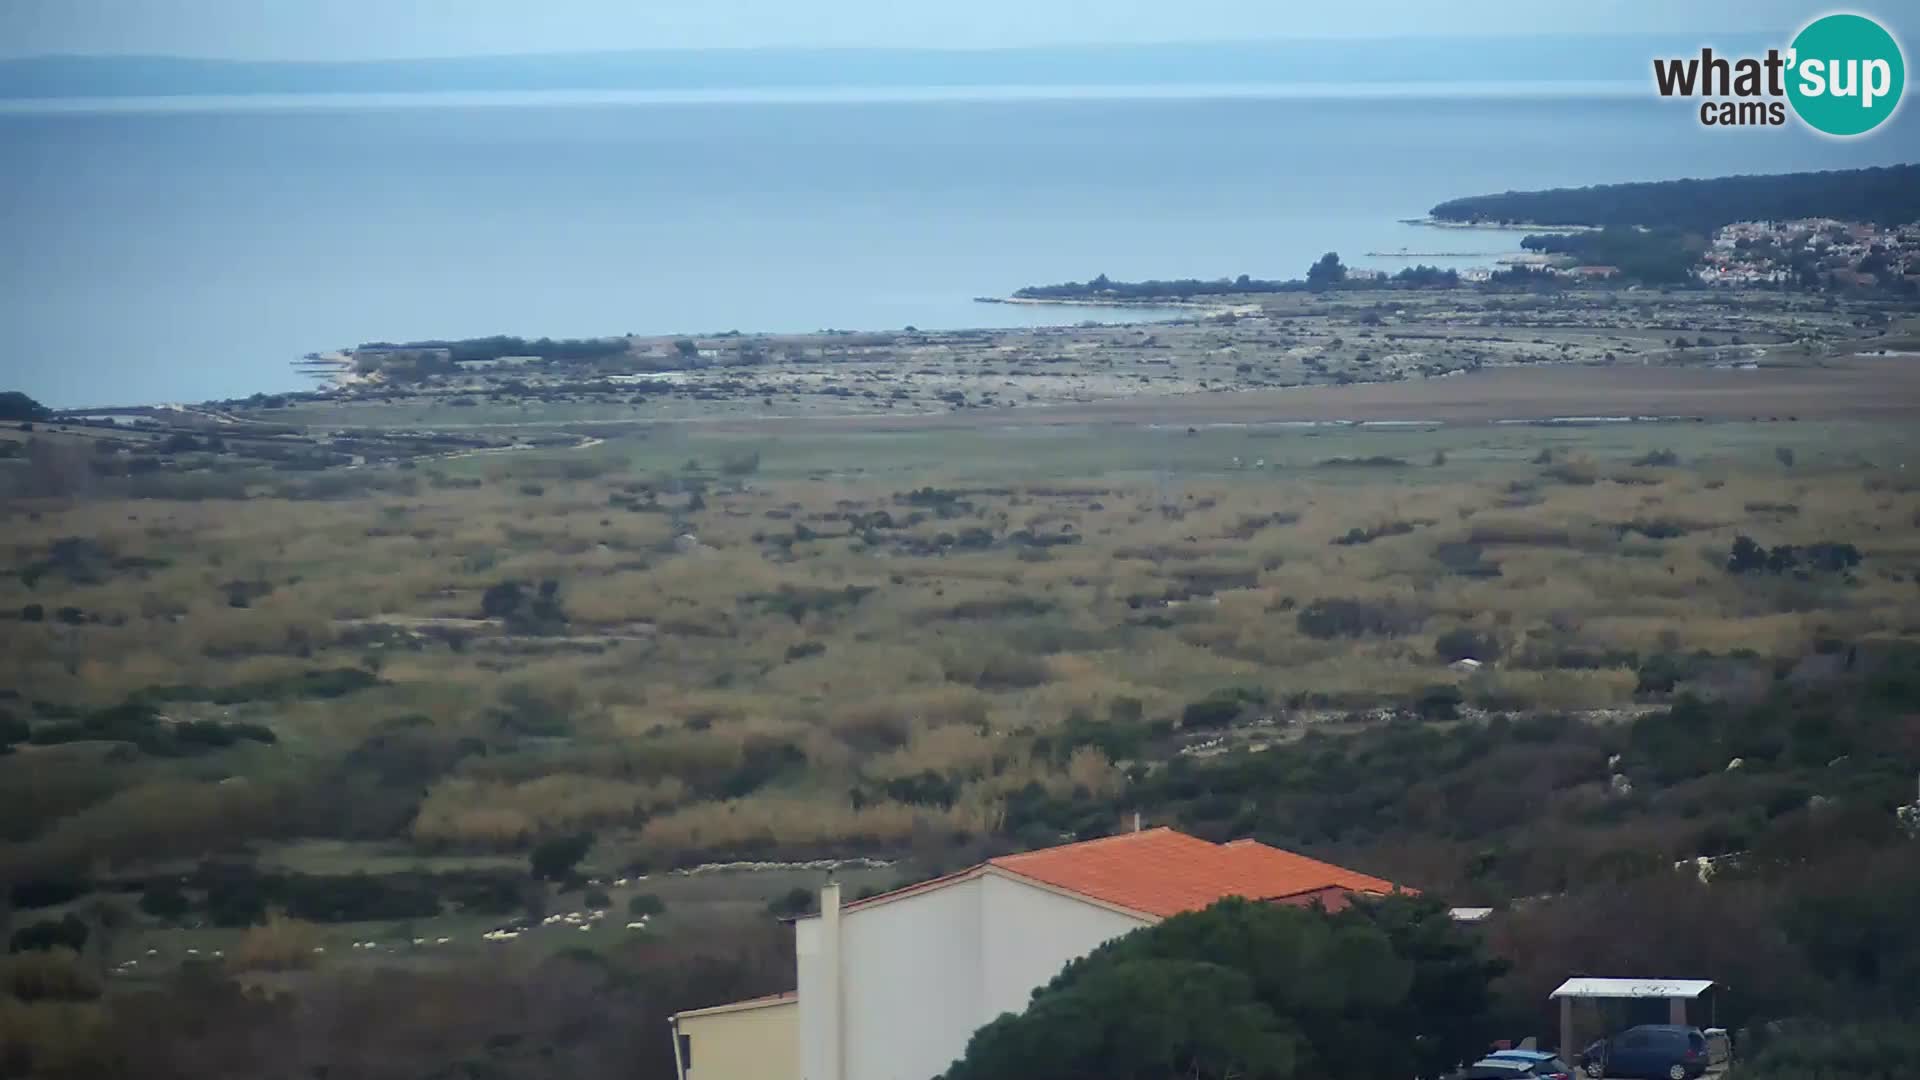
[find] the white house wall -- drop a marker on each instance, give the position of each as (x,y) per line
(813,990)
(923,972)
(1031,934)
(911,985)
(811,983)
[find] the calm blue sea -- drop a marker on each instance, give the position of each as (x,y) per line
(161,251)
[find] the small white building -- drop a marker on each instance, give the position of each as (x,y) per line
(744,1040)
(891,987)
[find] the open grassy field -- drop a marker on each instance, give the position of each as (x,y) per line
(346,674)
(1862,387)
(372,712)
(764,644)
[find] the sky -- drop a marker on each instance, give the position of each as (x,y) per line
(388,29)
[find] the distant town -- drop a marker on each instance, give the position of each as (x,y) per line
(1806,252)
(1813,251)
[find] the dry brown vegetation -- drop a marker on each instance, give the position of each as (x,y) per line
(47,975)
(279,944)
(834,637)
(465,811)
(64,1039)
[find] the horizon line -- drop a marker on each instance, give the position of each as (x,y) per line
(1006,93)
(1185,43)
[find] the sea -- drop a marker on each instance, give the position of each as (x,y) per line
(185,249)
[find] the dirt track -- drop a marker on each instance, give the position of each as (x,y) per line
(1863,388)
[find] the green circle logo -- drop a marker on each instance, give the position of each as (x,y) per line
(1845,74)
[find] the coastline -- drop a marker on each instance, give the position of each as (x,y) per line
(1498,226)
(1181,306)
(342,372)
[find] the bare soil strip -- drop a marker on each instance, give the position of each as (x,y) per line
(1863,388)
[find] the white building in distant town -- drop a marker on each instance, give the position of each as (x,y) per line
(499,362)
(1847,253)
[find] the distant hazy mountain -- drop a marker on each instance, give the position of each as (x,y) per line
(1610,58)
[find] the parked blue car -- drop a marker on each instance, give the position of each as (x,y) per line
(1649,1052)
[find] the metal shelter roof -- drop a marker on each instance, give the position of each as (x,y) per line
(1633,988)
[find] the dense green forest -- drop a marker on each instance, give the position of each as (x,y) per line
(1659,256)
(1889,196)
(16,406)
(1326,273)
(1792,790)
(1489,812)
(1585,835)
(499,345)
(418,361)
(1388,989)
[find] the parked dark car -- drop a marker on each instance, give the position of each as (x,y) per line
(1516,1065)
(1650,1051)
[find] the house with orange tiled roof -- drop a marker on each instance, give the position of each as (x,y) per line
(892,986)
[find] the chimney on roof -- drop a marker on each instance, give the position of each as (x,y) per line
(1136,821)
(830,953)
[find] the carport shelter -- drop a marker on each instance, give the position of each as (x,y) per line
(1677,992)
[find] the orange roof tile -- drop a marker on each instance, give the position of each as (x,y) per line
(1280,869)
(1161,872)
(1332,898)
